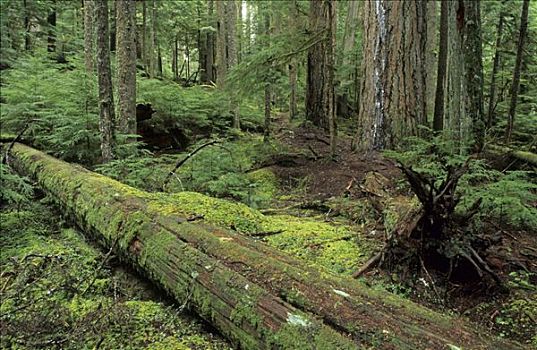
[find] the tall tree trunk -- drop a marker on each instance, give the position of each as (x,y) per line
(202,50)
(126,65)
(474,71)
(175,59)
(240,31)
(293,106)
(113,14)
(145,55)
(495,66)
(89,36)
(27,42)
(393,97)
(152,59)
(51,21)
(268,87)
(516,74)
(438,118)
(346,56)
(211,78)
(320,99)
(106,98)
(431,57)
(221,59)
(232,52)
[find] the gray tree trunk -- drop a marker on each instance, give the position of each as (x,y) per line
(126,65)
(89,36)
(106,99)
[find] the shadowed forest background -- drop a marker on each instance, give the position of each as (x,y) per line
(291,174)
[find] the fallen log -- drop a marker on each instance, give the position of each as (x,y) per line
(254,295)
(523,156)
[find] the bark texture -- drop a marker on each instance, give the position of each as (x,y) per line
(221,61)
(495,67)
(106,98)
(438,118)
(320,94)
(256,296)
(89,36)
(126,65)
(393,96)
(474,71)
(516,74)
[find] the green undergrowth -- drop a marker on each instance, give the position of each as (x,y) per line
(57,293)
(220,170)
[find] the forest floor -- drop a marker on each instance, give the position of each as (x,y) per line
(336,213)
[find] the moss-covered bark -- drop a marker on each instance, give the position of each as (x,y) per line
(258,297)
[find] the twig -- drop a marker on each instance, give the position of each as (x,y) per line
(315,154)
(181,162)
(265,233)
(372,262)
(5,159)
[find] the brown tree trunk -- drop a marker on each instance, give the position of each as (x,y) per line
(438,118)
(393,96)
(431,56)
(27,42)
(320,99)
(495,66)
(175,59)
(268,87)
(126,65)
(293,105)
(51,21)
(474,71)
(516,74)
(89,36)
(232,52)
(145,54)
(253,294)
(211,76)
(106,97)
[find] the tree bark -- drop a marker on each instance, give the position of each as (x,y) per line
(51,21)
(438,118)
(495,66)
(144,37)
(393,95)
(106,97)
(27,42)
(474,71)
(293,71)
(126,65)
(320,92)
(89,36)
(232,52)
(221,59)
(268,85)
(254,295)
(516,73)
(113,15)
(211,76)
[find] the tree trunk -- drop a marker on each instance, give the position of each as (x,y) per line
(51,21)
(320,95)
(145,54)
(113,14)
(293,75)
(474,71)
(393,95)
(254,295)
(268,85)
(27,42)
(106,97)
(516,74)
(211,76)
(89,36)
(221,68)
(438,118)
(232,52)
(175,59)
(126,65)
(495,66)
(431,56)
(152,57)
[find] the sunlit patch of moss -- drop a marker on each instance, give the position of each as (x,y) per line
(396,208)
(263,187)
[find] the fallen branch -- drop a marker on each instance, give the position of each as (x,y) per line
(183,161)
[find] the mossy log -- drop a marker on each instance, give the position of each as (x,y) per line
(256,296)
(523,156)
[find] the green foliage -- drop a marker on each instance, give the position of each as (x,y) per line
(14,190)
(60,104)
(507,196)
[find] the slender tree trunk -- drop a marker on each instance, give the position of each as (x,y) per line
(346,56)
(113,13)
(268,87)
(240,29)
(159,62)
(438,119)
(220,43)
(516,74)
(474,72)
(187,53)
(210,45)
(431,57)
(152,59)
(495,66)
(393,97)
(126,65)
(232,52)
(293,106)
(202,50)
(175,59)
(89,36)
(144,37)
(27,42)
(106,99)
(51,21)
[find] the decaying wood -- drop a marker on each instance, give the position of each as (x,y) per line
(523,156)
(254,295)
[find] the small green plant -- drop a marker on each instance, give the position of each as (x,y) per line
(14,190)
